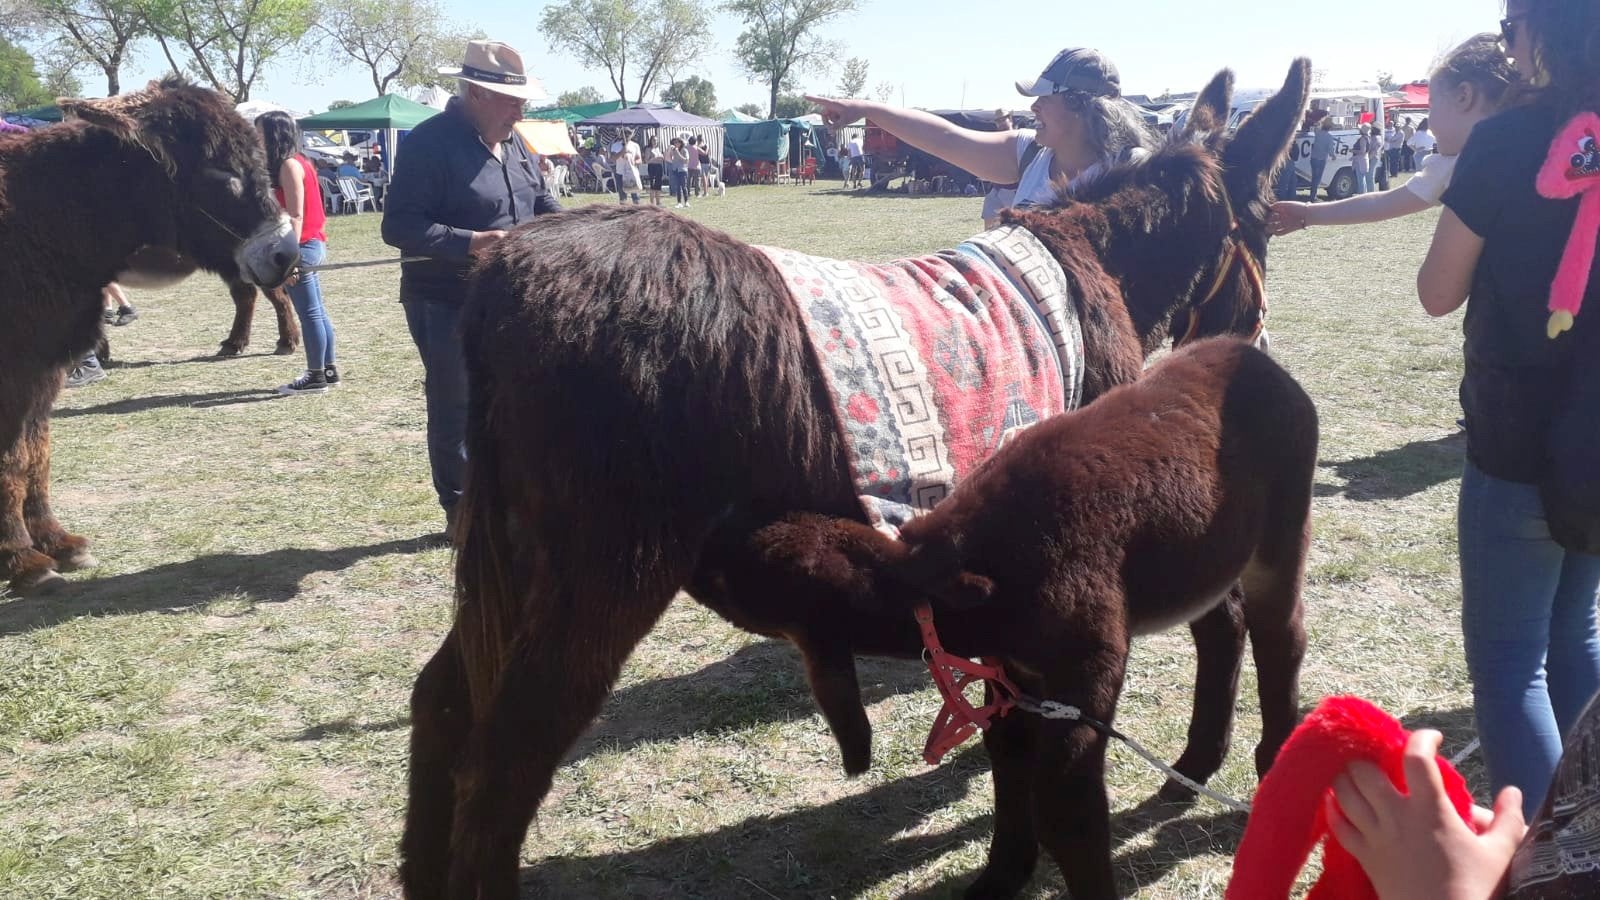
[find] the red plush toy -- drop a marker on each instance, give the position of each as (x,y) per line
(1287,818)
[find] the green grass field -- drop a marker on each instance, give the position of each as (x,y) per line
(220,710)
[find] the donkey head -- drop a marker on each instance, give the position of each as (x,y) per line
(210,203)
(1231,296)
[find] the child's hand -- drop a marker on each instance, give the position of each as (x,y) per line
(1287,216)
(1414,845)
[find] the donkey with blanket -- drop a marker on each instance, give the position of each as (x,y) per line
(646,392)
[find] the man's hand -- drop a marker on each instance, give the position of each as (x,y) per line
(837,112)
(1414,845)
(483,240)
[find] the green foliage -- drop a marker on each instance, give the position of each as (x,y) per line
(19,79)
(792,106)
(340,104)
(853,80)
(226,43)
(101,33)
(580,97)
(401,43)
(693,94)
(780,39)
(1386,81)
(751,109)
(636,41)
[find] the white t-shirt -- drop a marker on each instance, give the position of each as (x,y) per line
(632,151)
(1422,141)
(1429,183)
(854,149)
(1034,187)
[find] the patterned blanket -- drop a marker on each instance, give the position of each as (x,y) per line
(934,362)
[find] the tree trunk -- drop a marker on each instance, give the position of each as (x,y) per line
(113,82)
(772,104)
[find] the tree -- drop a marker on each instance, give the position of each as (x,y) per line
(19,79)
(97,32)
(780,39)
(59,77)
(635,41)
(340,104)
(1386,81)
(398,41)
(792,106)
(883,91)
(853,81)
(226,43)
(693,94)
(750,109)
(581,97)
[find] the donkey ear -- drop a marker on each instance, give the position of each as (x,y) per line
(1259,147)
(112,117)
(1209,115)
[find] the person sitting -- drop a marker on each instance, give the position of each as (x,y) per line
(348,168)
(1084,127)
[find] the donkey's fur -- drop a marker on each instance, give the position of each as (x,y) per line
(141,188)
(244,309)
(644,396)
(1138,513)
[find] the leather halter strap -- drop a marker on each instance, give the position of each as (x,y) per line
(1236,257)
(958,718)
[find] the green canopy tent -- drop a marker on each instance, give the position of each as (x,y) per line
(390,115)
(42,113)
(574,114)
(769,141)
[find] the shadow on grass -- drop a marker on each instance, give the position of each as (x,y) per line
(341,727)
(1400,471)
(844,848)
(270,577)
(165,401)
(763,682)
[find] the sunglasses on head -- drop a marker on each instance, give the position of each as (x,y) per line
(1508,28)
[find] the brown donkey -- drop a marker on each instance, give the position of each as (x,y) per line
(645,392)
(171,180)
(1149,508)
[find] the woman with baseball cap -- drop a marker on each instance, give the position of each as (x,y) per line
(1083,128)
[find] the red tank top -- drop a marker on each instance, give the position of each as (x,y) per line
(314,216)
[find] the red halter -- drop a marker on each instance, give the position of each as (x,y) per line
(958,719)
(1235,256)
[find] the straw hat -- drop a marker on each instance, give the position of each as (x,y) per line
(496,67)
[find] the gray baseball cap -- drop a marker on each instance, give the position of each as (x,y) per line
(1075,69)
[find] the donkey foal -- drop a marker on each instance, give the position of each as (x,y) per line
(1183,497)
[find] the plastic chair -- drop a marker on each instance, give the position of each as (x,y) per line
(808,171)
(356,194)
(603,178)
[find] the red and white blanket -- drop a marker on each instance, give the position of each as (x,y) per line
(934,362)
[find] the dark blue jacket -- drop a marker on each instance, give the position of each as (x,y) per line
(447,185)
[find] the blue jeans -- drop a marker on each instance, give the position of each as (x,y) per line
(1528,619)
(306,295)
(679,179)
(1364,181)
(1317,165)
(435,329)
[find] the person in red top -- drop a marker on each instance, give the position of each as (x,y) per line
(294,183)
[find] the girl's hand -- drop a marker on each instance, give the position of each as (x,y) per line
(1414,845)
(1288,216)
(839,112)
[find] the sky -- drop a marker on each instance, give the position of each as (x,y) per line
(960,53)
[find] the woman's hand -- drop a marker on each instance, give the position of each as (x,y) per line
(840,112)
(1288,216)
(1414,845)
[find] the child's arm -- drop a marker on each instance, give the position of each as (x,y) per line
(1413,846)
(1290,215)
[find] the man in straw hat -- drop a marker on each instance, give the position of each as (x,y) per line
(461,183)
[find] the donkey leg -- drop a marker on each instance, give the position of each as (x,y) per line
(571,654)
(288,323)
(1219,656)
(441,716)
(1275,614)
(244,311)
(831,671)
(1014,848)
(70,551)
(24,568)
(1070,806)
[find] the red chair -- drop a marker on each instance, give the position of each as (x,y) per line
(808,171)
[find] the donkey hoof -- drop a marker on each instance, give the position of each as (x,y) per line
(228,349)
(38,584)
(1175,791)
(75,561)
(283,350)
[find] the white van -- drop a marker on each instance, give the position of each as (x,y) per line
(1345,105)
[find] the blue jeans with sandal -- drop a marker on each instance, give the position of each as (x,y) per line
(1528,619)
